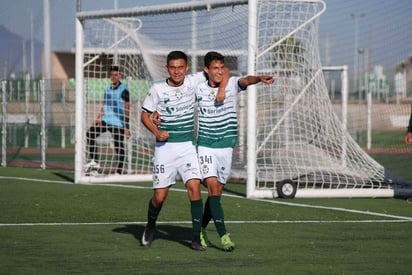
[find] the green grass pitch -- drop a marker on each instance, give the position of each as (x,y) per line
(48,225)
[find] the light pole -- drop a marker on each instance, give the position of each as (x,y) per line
(363,78)
(364,52)
(355,18)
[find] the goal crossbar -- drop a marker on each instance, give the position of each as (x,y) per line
(159,9)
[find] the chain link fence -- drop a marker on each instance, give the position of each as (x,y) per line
(37,123)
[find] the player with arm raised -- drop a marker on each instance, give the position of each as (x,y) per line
(175,152)
(216,138)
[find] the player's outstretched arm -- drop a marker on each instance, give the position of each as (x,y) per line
(253,79)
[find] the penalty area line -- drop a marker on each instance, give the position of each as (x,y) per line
(189,222)
(371,213)
(228,195)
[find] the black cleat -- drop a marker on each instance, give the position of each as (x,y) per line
(148,235)
(196,244)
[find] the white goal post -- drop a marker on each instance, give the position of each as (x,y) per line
(291,142)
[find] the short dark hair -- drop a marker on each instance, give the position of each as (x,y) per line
(113,68)
(176,55)
(211,56)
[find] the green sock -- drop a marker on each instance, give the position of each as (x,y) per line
(153,212)
(217,213)
(196,208)
(207,216)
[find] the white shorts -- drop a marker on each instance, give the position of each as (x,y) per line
(215,162)
(171,158)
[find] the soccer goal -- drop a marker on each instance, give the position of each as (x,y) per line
(291,142)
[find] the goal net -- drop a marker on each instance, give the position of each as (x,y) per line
(288,132)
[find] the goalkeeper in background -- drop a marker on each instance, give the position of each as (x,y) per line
(113,117)
(216,138)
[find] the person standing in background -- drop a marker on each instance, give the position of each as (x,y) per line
(113,117)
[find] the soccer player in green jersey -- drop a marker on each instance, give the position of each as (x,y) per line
(175,153)
(216,138)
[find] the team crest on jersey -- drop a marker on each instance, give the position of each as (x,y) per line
(205,169)
(212,95)
(155,179)
(170,110)
(179,94)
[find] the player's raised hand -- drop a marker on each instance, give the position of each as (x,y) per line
(221,96)
(267,79)
(221,93)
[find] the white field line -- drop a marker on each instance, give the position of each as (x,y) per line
(189,222)
(339,209)
(395,217)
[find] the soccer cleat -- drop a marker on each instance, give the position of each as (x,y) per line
(92,168)
(148,235)
(227,244)
(204,240)
(196,244)
(92,164)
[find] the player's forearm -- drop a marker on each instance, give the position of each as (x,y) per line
(252,79)
(221,94)
(101,113)
(99,116)
(126,122)
(225,79)
(127,116)
(249,80)
(147,122)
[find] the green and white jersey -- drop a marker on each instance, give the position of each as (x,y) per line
(217,122)
(175,106)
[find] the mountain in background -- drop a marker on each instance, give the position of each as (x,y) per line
(11,54)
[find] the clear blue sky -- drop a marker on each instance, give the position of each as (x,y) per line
(386,29)
(15,16)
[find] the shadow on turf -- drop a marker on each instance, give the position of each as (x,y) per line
(233,192)
(65,177)
(172,233)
